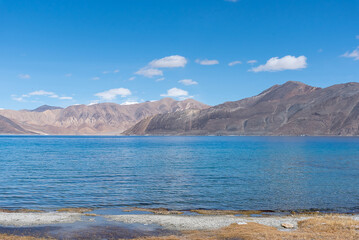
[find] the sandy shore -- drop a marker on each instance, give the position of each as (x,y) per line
(38,218)
(181,223)
(83,225)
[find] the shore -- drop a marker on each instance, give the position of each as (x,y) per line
(167,224)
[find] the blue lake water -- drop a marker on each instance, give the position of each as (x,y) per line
(273,173)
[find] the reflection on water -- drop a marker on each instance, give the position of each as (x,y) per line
(276,173)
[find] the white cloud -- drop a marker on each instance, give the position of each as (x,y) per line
(113,93)
(19,99)
(114,71)
(169,62)
(160,79)
(129,103)
(280,64)
(149,72)
(68,74)
(175,92)
(354,54)
(357,36)
(152,70)
(65,98)
(24,76)
(252,61)
(207,62)
(39,93)
(188,82)
(93,102)
(95,78)
(234,63)
(132,78)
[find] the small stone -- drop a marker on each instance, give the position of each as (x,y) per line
(241,223)
(287,225)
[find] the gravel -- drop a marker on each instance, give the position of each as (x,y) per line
(33,219)
(173,222)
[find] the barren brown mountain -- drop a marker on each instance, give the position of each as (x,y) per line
(9,127)
(289,109)
(103,118)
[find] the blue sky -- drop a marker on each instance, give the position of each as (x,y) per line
(85,51)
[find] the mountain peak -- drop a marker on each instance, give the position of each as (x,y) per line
(287,90)
(44,108)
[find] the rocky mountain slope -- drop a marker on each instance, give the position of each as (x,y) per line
(289,109)
(9,127)
(103,118)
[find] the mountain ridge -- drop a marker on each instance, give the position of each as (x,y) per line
(96,119)
(292,108)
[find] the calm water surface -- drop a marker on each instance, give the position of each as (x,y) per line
(274,173)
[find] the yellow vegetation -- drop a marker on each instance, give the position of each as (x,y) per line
(13,237)
(319,228)
(75,210)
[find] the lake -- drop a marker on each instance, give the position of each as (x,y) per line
(271,173)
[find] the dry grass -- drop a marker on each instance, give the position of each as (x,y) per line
(20,211)
(13,237)
(328,228)
(160,211)
(75,210)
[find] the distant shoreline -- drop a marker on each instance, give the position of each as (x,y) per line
(43,135)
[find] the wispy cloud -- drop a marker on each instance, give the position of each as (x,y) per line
(207,62)
(132,78)
(149,72)
(24,76)
(357,36)
(39,93)
(175,92)
(114,71)
(68,74)
(95,78)
(113,93)
(152,69)
(173,61)
(276,64)
(188,82)
(354,54)
(42,93)
(65,98)
(252,61)
(232,1)
(160,79)
(234,63)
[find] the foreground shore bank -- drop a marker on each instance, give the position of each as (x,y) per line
(166,224)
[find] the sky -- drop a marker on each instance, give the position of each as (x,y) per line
(68,52)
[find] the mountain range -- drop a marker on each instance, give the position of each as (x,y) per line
(293,108)
(96,119)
